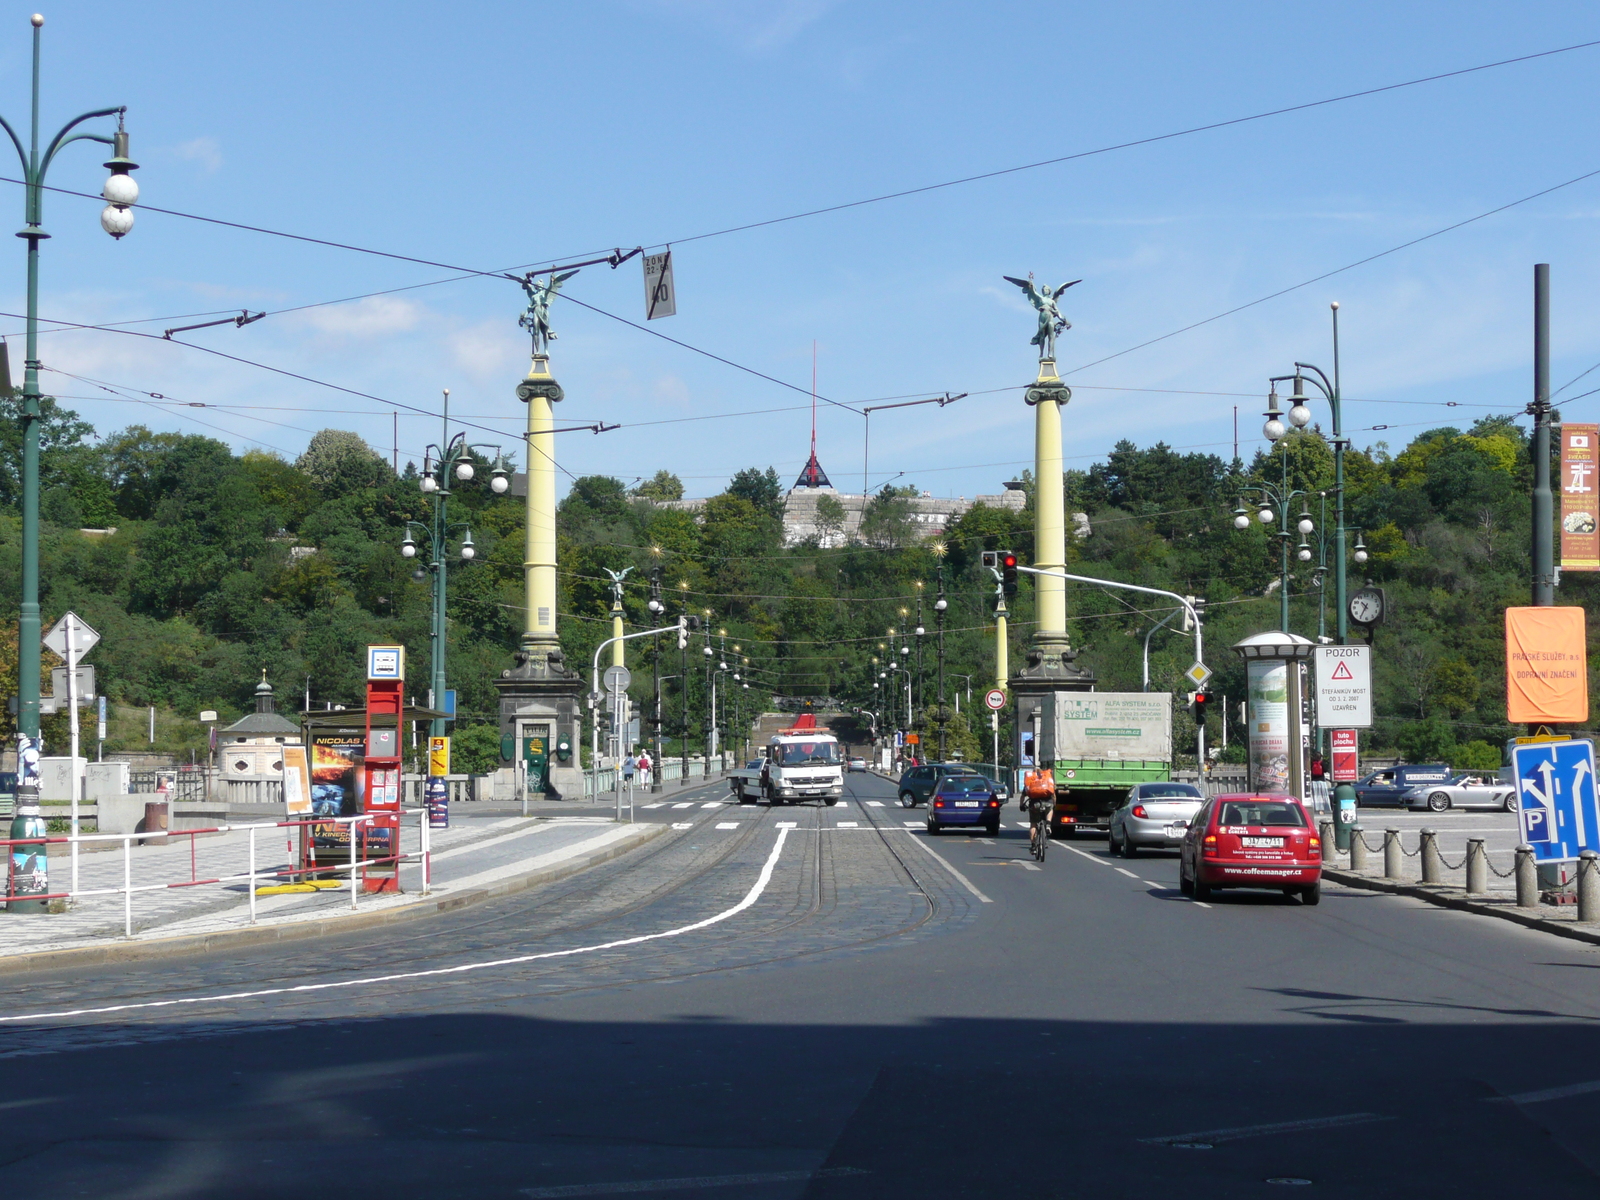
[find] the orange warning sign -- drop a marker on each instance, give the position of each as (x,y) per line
(1547,666)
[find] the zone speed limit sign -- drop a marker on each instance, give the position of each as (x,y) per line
(995,699)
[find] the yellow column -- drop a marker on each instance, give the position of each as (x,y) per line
(616,632)
(539,567)
(1049,507)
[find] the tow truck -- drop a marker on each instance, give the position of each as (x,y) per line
(803,763)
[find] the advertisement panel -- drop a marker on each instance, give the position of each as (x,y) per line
(1547,668)
(1346,768)
(1269,724)
(1111,725)
(438,756)
(296,782)
(336,779)
(1580,537)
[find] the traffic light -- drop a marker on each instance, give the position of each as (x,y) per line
(1200,704)
(1008,572)
(683,633)
(991,560)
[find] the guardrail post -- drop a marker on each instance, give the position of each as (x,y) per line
(1431,867)
(1358,850)
(1589,886)
(252,874)
(355,843)
(1325,831)
(1527,878)
(1391,854)
(1477,867)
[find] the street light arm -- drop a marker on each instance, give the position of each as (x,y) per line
(17,142)
(1327,387)
(61,138)
(1132,587)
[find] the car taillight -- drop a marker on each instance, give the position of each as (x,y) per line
(1138,811)
(994,804)
(1209,846)
(938,803)
(1316,847)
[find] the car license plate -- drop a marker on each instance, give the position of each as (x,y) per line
(1261,843)
(1176,831)
(969,803)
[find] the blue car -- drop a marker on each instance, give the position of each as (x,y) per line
(967,800)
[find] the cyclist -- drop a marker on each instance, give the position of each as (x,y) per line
(1038,801)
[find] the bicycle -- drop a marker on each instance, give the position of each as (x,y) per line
(1039,832)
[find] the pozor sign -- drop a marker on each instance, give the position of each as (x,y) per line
(1344,687)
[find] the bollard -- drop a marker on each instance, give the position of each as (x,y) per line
(1589,886)
(1477,867)
(1527,878)
(1358,850)
(1430,856)
(1325,831)
(1391,854)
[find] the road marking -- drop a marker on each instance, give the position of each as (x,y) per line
(1147,883)
(1099,862)
(683,824)
(788,824)
(874,803)
(1555,1093)
(750,897)
(691,1184)
(727,824)
(965,882)
(1128,873)
(1024,825)
(1201,904)
(847,824)
(911,824)
(657,804)
(1213,1137)
(685,804)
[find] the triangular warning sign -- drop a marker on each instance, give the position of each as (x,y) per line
(1342,671)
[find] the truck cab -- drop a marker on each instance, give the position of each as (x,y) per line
(803,763)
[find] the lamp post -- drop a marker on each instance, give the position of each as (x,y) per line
(1274,501)
(939,606)
(29,875)
(658,612)
(452,457)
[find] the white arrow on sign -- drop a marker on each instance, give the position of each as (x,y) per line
(84,638)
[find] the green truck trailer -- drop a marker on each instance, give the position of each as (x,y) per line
(1100,744)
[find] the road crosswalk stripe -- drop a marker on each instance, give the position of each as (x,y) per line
(727,824)
(847,825)
(685,804)
(874,803)
(714,804)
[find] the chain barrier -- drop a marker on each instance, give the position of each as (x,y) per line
(1408,853)
(1496,871)
(1361,833)
(1446,863)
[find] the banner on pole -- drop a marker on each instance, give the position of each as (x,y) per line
(438,756)
(1580,533)
(1547,668)
(1346,768)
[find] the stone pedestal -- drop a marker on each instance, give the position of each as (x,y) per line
(540,697)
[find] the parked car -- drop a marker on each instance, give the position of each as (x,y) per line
(1254,841)
(857,764)
(917,784)
(1463,791)
(745,781)
(1389,787)
(1155,815)
(966,800)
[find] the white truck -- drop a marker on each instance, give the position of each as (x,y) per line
(803,763)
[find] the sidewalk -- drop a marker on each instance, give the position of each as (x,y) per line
(482,854)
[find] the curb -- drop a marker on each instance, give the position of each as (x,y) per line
(260,935)
(1438,895)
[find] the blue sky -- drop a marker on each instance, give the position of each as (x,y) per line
(489,135)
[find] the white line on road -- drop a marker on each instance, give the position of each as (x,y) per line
(1215,1136)
(911,824)
(750,897)
(683,824)
(1555,1093)
(788,824)
(657,804)
(727,824)
(847,824)
(1200,904)
(874,803)
(691,1184)
(685,804)
(1099,862)
(1125,871)
(965,882)
(715,804)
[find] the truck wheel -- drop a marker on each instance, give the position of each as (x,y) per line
(744,798)
(832,800)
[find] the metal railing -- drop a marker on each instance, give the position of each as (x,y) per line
(252,877)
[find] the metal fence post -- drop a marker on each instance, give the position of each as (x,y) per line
(1589,886)
(1477,867)
(1358,849)
(1391,854)
(1527,878)
(1430,856)
(252,874)
(355,843)
(127,887)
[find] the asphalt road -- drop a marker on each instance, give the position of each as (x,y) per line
(842,1007)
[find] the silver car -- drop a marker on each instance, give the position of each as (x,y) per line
(1155,816)
(1467,790)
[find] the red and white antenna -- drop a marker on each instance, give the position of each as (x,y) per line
(813,399)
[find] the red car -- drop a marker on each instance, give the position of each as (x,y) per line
(1253,841)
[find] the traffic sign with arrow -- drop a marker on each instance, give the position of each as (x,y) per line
(1556,801)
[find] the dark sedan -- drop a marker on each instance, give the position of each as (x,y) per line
(965,800)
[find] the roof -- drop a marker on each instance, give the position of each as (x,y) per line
(813,476)
(263,723)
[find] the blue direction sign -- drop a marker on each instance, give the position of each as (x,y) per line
(1556,798)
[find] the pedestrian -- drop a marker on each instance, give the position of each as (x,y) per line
(644,769)
(629,765)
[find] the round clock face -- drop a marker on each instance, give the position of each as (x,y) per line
(1366,607)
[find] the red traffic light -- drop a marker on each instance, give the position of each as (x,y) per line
(1010,560)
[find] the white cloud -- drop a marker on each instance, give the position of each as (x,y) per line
(203,150)
(374,317)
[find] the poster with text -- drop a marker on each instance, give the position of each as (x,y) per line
(1269,725)
(1580,539)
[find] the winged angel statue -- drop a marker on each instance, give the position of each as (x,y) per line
(1051,322)
(536,318)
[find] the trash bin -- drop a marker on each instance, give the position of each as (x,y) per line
(155,819)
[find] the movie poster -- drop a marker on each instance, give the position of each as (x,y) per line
(336,780)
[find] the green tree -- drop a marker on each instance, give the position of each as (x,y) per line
(341,462)
(761,489)
(663,485)
(475,749)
